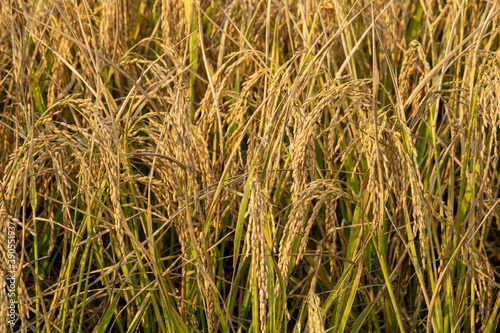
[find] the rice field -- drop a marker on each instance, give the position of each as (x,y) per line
(249,166)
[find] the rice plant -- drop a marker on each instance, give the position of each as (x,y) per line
(249,166)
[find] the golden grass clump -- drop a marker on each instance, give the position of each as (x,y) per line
(173,22)
(258,246)
(315,317)
(114,28)
(250,166)
(413,69)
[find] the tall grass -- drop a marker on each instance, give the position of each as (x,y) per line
(251,166)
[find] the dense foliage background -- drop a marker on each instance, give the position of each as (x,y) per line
(251,165)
